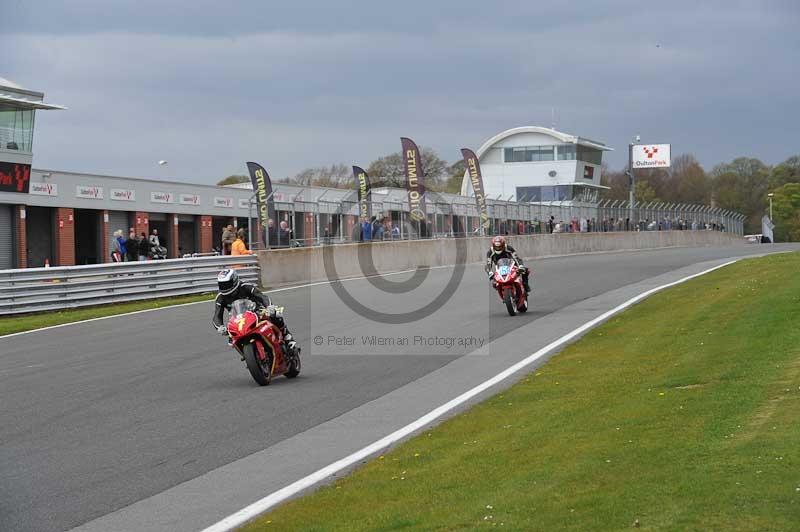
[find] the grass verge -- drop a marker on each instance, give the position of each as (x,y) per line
(679,414)
(29,322)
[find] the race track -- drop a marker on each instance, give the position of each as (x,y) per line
(98,416)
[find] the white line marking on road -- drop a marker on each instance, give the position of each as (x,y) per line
(264,504)
(10,370)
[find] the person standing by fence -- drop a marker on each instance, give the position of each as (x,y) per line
(228,236)
(115,247)
(144,247)
(132,247)
(366,230)
(239,247)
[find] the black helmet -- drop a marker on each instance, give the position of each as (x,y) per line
(228,281)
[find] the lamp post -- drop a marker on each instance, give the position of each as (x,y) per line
(770,195)
(632,178)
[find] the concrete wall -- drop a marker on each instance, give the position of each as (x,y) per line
(299,265)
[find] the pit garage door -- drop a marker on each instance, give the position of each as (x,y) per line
(116,220)
(159,222)
(6,237)
(187,238)
(39,235)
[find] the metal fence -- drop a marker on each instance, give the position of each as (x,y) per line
(42,289)
(449,215)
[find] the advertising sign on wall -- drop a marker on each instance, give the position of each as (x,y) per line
(162,197)
(226,203)
(89,192)
(44,189)
(189,199)
(651,156)
(121,194)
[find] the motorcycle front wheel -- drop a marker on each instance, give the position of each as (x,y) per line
(261,371)
(294,366)
(508,299)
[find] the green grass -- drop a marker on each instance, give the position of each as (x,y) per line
(28,322)
(683,413)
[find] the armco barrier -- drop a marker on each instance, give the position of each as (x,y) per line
(40,289)
(286,266)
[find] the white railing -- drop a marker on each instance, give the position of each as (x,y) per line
(43,289)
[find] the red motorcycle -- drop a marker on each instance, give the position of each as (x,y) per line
(507,280)
(260,343)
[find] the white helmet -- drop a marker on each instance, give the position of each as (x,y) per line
(228,281)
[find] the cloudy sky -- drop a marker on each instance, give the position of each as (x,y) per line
(208,85)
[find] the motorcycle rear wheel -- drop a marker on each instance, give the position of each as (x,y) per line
(260,371)
(508,299)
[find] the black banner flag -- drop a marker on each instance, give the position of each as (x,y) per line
(474,168)
(363,186)
(415,179)
(262,186)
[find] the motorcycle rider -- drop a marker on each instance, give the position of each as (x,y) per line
(232,288)
(501,250)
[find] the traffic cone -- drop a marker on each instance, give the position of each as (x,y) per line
(47,263)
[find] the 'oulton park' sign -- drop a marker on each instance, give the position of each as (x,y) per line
(651,155)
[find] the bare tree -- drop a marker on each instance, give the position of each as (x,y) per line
(390,171)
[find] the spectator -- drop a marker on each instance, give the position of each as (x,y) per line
(154,240)
(366,230)
(115,247)
(132,247)
(272,233)
(551,224)
(395,232)
(239,247)
(144,247)
(285,234)
(228,236)
(377,229)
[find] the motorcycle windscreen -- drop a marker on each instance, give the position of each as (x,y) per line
(240,306)
(504,266)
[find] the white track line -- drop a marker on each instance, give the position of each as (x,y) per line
(262,505)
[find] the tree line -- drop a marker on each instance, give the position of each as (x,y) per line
(385,171)
(741,185)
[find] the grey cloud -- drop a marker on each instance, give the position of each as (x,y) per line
(299,86)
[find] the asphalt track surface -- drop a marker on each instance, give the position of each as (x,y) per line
(137,417)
